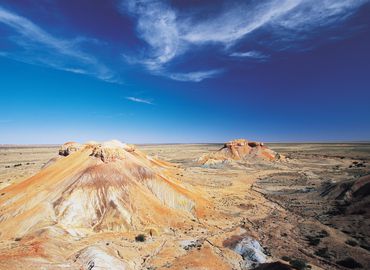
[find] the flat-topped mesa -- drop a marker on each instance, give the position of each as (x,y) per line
(69,148)
(240,149)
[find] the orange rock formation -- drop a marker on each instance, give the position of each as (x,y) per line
(240,149)
(95,188)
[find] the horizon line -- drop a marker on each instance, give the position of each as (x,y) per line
(27,145)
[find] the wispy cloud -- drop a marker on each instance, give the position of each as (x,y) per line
(236,22)
(250,54)
(139,100)
(157,26)
(170,33)
(194,76)
(41,48)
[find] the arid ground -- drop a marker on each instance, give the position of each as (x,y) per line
(296,210)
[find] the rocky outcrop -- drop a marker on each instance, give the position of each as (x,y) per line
(351,191)
(97,258)
(250,249)
(240,150)
(68,148)
(111,151)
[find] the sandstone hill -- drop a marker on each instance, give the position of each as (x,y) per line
(240,150)
(98,187)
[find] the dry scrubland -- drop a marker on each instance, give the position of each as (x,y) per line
(307,212)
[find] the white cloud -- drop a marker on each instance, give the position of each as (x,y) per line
(250,54)
(41,48)
(156,24)
(196,76)
(310,14)
(170,33)
(236,22)
(139,100)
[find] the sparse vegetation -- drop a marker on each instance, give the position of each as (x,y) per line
(140,238)
(351,242)
(323,253)
(349,263)
(367,247)
(314,240)
(299,264)
(286,258)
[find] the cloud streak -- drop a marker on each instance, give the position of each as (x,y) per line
(250,54)
(41,48)
(196,76)
(139,100)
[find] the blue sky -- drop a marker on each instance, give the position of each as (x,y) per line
(184,71)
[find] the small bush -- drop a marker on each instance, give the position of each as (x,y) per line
(323,234)
(298,264)
(313,241)
(349,263)
(351,242)
(286,258)
(140,238)
(323,253)
(365,247)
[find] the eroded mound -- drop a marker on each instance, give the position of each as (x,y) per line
(98,187)
(68,148)
(240,150)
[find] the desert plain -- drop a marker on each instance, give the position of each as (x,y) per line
(308,211)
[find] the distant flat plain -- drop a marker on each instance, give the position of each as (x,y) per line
(21,161)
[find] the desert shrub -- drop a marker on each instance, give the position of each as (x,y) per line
(313,240)
(349,263)
(359,212)
(351,242)
(286,258)
(274,266)
(323,253)
(367,247)
(298,264)
(140,238)
(323,234)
